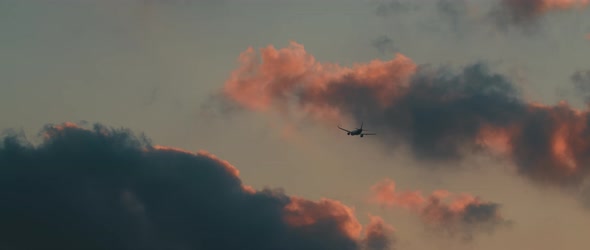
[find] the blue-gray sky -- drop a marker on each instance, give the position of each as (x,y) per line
(151,65)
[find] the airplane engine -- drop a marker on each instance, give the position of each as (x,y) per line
(348,133)
(362,135)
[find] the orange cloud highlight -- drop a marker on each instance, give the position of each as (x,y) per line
(311,216)
(385,194)
(302,213)
(265,80)
(228,166)
(173,149)
(52,129)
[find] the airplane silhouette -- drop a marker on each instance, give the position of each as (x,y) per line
(357,131)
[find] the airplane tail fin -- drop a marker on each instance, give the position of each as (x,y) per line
(361,125)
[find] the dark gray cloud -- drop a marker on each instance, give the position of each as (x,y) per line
(522,14)
(527,14)
(581,81)
(384,44)
(442,115)
(105,188)
(483,218)
(379,242)
(454,12)
(519,11)
(439,113)
(378,235)
(474,218)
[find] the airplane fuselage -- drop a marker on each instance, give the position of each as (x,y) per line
(357,131)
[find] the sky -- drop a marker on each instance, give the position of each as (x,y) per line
(111,108)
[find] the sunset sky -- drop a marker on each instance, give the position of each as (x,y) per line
(479,107)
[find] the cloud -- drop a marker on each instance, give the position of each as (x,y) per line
(460,15)
(500,15)
(441,114)
(581,81)
(464,215)
(392,7)
(526,12)
(270,79)
(378,234)
(105,188)
(384,44)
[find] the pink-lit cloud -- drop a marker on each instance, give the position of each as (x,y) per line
(441,114)
(463,214)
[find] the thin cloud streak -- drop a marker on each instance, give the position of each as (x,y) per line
(463,215)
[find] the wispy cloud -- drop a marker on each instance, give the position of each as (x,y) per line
(581,81)
(384,44)
(392,7)
(463,215)
(501,14)
(527,12)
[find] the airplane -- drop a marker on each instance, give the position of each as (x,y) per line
(357,131)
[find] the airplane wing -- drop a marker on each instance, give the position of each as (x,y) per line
(344,129)
(369,134)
